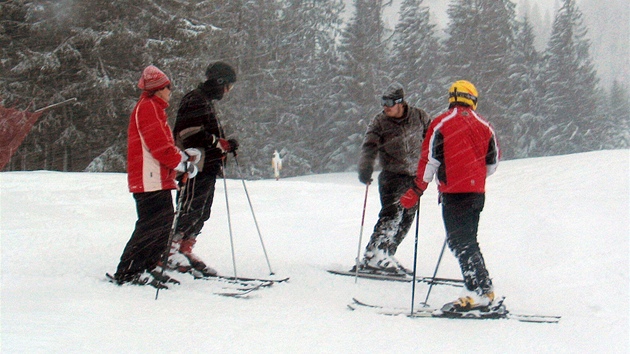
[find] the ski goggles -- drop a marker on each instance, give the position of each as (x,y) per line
(390,102)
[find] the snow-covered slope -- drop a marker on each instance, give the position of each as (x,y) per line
(554,234)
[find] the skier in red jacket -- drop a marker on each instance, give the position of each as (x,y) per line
(152,163)
(462,150)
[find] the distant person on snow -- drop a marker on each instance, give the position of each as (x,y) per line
(197,126)
(276,164)
(395,136)
(152,163)
(461,149)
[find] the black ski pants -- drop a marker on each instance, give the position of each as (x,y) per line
(149,239)
(394,221)
(461,214)
(197,204)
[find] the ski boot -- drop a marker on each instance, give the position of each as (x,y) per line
(176,260)
(475,306)
(380,262)
(198,267)
(146,278)
(154,277)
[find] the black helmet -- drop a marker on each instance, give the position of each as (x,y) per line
(219,74)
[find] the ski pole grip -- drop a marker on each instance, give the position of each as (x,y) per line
(184,179)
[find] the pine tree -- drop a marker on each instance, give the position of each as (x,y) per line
(415,59)
(249,34)
(284,52)
(616,118)
(478,49)
(42,71)
(570,86)
(304,67)
(361,79)
(525,105)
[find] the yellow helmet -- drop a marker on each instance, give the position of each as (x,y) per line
(463,91)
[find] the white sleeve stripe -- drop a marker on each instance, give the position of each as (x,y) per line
(490,169)
(434,164)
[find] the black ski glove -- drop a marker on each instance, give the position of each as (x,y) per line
(365,176)
(233,145)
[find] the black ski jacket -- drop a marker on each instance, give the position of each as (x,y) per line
(196,125)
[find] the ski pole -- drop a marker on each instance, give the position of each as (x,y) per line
(415,259)
(434,274)
(251,208)
(55,105)
(227,205)
(356,266)
(183,183)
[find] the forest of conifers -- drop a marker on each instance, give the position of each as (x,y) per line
(309,77)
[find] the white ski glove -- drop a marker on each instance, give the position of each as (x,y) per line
(189,161)
(189,167)
(192,170)
(194,155)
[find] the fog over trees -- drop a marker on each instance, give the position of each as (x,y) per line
(309,75)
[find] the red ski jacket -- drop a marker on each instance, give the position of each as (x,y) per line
(151,151)
(461,149)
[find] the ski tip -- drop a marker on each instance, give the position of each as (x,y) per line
(280,280)
(234,295)
(111,279)
(358,302)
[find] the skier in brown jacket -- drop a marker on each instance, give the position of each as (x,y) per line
(394,136)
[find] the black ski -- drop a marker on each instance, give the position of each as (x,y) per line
(500,313)
(242,292)
(199,275)
(401,278)
(248,285)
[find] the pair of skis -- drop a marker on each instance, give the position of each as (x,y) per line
(237,287)
(244,285)
(496,311)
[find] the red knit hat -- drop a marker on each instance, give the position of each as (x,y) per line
(153,79)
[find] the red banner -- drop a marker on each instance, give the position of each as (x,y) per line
(14,126)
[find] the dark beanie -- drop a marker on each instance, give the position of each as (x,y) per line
(220,73)
(394,91)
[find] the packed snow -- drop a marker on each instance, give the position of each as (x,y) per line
(554,233)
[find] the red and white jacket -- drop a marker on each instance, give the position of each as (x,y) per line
(151,152)
(461,149)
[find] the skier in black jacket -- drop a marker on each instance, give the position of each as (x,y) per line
(197,126)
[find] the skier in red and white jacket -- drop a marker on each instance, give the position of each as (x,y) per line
(461,149)
(153,161)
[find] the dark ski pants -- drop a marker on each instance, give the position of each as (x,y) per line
(149,239)
(394,221)
(197,203)
(461,214)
